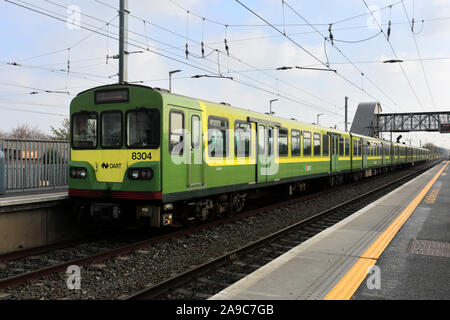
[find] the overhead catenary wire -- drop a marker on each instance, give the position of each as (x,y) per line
(395,54)
(307,51)
(420,57)
(229,55)
(349,60)
(215,50)
(160,54)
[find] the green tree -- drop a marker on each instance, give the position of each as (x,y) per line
(62,133)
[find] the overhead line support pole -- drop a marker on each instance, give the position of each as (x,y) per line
(346,111)
(123,42)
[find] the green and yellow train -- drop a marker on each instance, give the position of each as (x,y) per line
(155,157)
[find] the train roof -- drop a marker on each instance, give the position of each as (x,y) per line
(269,118)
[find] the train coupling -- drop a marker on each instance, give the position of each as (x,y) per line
(105,211)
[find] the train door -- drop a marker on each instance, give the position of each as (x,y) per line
(194,144)
(334,152)
(266,165)
(272,151)
(365,151)
(261,167)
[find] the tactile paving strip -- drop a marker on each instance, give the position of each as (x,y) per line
(430,248)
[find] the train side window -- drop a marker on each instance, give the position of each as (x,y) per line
(218,137)
(306,144)
(176,139)
(341,147)
(283,149)
(360,148)
(196,136)
(295,143)
(242,139)
(326,145)
(347,147)
(317,144)
(355,148)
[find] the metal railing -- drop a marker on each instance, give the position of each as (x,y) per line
(35,164)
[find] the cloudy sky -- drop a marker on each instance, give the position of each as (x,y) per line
(45,59)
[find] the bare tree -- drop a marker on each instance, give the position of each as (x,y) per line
(26,131)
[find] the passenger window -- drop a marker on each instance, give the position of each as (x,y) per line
(176,142)
(283,149)
(355,148)
(196,136)
(360,148)
(347,147)
(218,137)
(261,140)
(317,144)
(242,139)
(326,145)
(271,141)
(295,143)
(307,144)
(341,147)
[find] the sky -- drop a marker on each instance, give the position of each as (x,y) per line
(51,50)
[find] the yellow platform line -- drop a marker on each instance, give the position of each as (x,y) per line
(351,281)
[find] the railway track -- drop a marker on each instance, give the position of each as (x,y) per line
(197,272)
(102,255)
(203,281)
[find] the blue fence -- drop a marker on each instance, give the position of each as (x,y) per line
(34,164)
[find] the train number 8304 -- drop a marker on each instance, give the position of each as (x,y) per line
(141,156)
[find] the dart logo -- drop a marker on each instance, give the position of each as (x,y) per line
(111,165)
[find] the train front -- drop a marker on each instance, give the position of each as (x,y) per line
(115,168)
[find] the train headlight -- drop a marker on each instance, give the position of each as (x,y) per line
(78,173)
(133,174)
(140,174)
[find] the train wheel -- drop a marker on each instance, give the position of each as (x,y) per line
(238,202)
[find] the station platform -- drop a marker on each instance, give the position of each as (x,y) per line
(396,248)
(29,197)
(35,218)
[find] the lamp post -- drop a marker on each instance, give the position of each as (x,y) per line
(170,78)
(270,107)
(320,114)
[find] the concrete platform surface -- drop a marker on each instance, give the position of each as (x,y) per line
(316,267)
(29,197)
